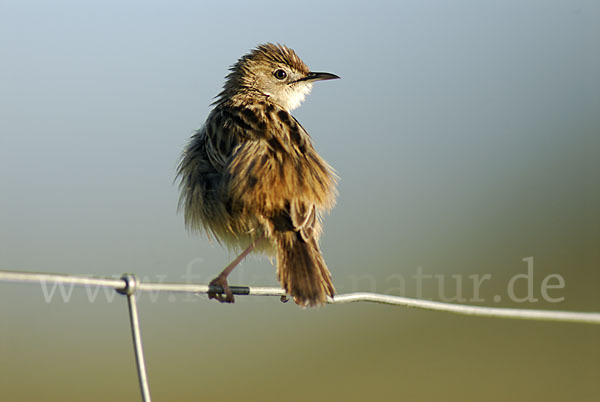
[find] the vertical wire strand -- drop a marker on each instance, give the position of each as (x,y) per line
(137,345)
(130,289)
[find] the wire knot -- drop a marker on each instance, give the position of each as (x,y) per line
(131,284)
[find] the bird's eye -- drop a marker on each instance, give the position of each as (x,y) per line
(280,74)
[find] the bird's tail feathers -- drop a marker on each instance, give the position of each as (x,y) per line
(301,269)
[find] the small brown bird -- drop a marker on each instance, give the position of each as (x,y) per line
(251,178)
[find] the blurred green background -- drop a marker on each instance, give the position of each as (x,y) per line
(467,138)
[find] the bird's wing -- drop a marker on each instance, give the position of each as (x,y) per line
(276,163)
(297,217)
(274,171)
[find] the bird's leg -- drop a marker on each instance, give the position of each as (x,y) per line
(221,280)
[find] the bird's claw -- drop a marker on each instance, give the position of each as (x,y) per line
(226,296)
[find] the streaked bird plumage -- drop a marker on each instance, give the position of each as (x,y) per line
(251,178)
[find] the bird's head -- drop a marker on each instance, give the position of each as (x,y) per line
(274,72)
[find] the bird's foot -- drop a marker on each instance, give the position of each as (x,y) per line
(226,296)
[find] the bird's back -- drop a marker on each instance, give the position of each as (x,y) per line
(247,166)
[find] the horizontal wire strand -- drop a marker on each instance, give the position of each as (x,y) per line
(480,311)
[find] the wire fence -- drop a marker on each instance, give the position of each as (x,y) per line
(129,285)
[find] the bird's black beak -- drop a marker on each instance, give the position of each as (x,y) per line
(314,76)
